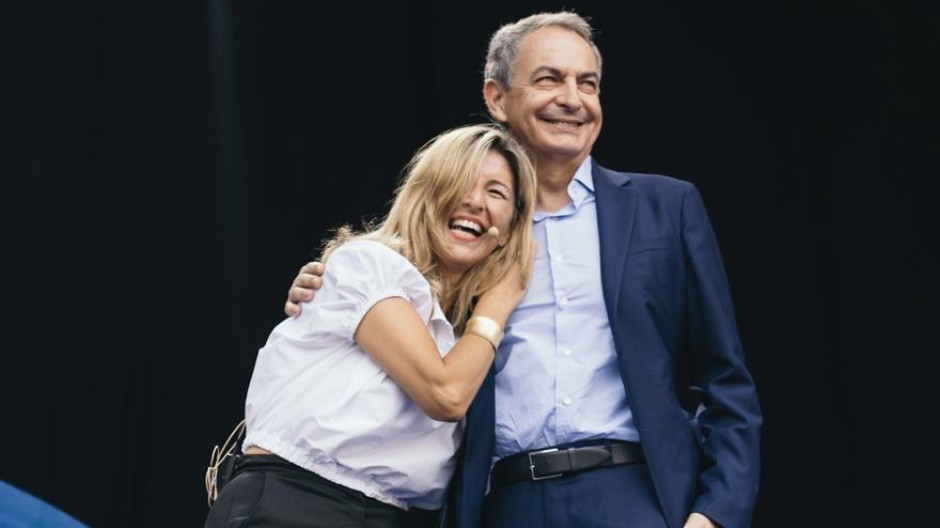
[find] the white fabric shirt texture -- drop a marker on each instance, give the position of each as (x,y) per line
(319,401)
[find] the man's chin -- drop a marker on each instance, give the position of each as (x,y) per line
(562,152)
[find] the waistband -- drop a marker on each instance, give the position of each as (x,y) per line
(553,462)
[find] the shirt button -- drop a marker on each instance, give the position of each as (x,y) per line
(559,258)
(566,351)
(563,302)
(566,401)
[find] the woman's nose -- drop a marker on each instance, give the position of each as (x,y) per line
(473,199)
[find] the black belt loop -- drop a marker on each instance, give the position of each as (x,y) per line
(543,464)
(609,446)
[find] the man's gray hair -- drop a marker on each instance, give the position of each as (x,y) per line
(501,55)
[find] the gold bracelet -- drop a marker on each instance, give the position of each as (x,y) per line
(486,328)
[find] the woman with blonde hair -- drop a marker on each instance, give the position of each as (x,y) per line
(353,411)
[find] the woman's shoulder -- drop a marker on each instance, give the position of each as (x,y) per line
(370,250)
(374,260)
(369,269)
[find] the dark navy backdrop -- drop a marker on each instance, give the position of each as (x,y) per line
(171,165)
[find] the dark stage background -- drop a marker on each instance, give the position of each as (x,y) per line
(172,165)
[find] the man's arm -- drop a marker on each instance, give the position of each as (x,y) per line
(730,418)
(301,290)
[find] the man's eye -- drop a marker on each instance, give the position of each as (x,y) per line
(589,86)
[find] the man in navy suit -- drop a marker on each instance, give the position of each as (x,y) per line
(580,422)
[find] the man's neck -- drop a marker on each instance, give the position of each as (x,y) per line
(554,178)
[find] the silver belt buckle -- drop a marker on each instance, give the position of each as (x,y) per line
(532,465)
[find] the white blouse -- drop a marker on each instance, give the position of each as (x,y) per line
(319,401)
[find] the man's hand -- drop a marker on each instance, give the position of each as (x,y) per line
(308,280)
(697,520)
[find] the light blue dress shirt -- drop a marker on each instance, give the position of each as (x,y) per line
(557,379)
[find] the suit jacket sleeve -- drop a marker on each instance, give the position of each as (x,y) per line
(729,414)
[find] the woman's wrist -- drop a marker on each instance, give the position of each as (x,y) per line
(487,328)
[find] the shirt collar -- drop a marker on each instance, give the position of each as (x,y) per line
(580,188)
(584,175)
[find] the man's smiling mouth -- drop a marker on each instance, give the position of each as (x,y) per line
(563,123)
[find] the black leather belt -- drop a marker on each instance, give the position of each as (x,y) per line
(555,462)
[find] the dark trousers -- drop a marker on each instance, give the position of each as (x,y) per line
(268,491)
(608,497)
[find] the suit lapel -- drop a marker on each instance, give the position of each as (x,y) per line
(616,211)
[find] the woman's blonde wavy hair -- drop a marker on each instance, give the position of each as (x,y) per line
(439,175)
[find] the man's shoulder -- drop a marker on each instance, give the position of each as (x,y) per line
(644,181)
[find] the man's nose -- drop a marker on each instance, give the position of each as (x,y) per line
(569,96)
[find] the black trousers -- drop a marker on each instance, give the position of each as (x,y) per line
(268,491)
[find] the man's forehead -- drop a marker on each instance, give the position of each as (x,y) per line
(558,49)
(544,68)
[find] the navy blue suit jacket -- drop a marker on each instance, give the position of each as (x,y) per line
(673,325)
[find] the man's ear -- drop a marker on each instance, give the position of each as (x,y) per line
(495,98)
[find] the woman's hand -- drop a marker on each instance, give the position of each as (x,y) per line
(500,300)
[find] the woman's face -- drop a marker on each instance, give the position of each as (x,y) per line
(489,203)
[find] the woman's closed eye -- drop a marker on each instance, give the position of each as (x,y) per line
(498,192)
